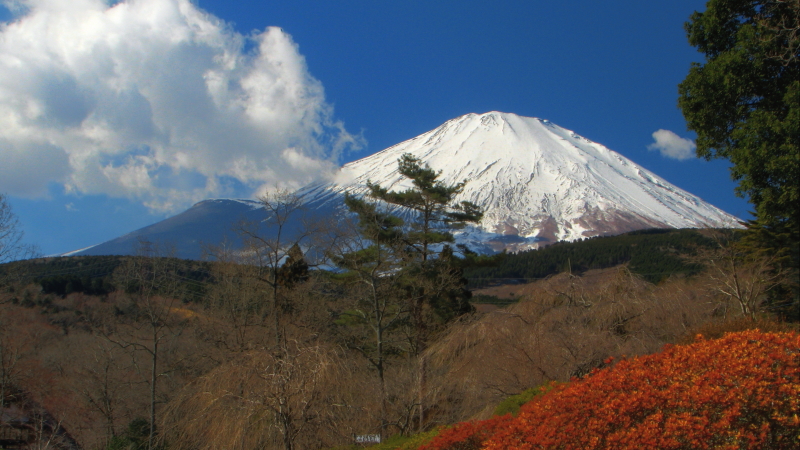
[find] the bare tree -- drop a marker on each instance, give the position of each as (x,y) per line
(22,335)
(266,286)
(12,247)
(261,399)
(152,319)
(270,245)
(743,275)
(237,313)
(376,307)
(102,379)
(48,431)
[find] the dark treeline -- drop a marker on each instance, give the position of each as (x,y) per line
(94,275)
(51,267)
(653,254)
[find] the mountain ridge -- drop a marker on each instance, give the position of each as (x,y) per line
(538,183)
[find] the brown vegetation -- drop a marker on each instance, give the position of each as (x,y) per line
(563,327)
(237,369)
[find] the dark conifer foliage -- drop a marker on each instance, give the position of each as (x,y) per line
(744,100)
(654,254)
(432,201)
(92,275)
(294,270)
(433,272)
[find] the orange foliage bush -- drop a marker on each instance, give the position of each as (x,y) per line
(468,435)
(738,392)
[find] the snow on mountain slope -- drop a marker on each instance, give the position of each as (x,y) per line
(537,182)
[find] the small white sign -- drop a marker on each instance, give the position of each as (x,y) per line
(368,439)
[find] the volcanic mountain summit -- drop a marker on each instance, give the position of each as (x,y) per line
(538,183)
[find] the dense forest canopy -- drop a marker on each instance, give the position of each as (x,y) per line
(654,254)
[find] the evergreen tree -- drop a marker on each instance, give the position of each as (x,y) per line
(434,285)
(294,269)
(408,270)
(744,105)
(434,214)
(744,101)
(432,201)
(372,265)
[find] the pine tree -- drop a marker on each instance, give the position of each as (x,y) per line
(372,264)
(435,288)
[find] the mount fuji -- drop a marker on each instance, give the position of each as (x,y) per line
(537,183)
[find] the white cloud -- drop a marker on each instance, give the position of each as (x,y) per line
(672,146)
(156,100)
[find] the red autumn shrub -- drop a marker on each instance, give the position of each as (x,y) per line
(468,435)
(738,392)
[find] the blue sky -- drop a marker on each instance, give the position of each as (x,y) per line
(115,115)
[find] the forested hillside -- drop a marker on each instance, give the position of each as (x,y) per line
(654,254)
(304,339)
(94,275)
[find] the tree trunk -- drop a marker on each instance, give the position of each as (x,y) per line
(422,381)
(286,422)
(153,377)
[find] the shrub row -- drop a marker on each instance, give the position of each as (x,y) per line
(738,392)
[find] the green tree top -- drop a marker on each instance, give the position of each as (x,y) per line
(432,200)
(744,101)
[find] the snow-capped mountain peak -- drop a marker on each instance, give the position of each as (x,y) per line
(537,182)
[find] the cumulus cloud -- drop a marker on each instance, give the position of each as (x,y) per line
(156,100)
(672,146)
